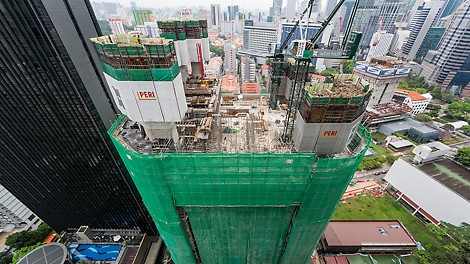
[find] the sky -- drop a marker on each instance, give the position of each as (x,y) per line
(243,4)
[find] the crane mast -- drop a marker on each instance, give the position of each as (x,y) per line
(303,50)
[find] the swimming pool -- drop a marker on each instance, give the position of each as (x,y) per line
(94,252)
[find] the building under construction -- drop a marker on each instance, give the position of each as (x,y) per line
(221,182)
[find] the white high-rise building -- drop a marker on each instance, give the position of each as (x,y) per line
(277,10)
(425,14)
(380,44)
(257,38)
(14,212)
(384,74)
(291,9)
(116,25)
(230,63)
(248,69)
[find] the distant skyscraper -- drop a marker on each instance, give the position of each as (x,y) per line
(277,10)
(291,9)
(215,14)
(368,15)
(425,14)
(441,66)
(449,7)
(430,41)
(55,154)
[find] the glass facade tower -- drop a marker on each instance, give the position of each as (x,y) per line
(54,152)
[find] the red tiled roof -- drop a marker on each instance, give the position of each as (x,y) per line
(415,96)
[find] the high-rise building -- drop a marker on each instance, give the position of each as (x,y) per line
(247,69)
(55,155)
(143,15)
(384,74)
(441,66)
(380,44)
(116,25)
(257,38)
(230,60)
(291,9)
(15,213)
(370,13)
(449,7)
(430,41)
(276,11)
(425,14)
(226,190)
(216,15)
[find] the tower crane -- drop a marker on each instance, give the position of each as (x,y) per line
(303,50)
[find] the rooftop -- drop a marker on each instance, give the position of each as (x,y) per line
(218,122)
(368,233)
(450,174)
(342,86)
(230,84)
(250,88)
(414,96)
(386,62)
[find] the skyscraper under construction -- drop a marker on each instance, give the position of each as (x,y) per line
(220,180)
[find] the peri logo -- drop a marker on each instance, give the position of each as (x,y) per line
(146,95)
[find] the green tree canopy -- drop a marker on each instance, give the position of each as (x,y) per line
(19,254)
(463,156)
(423,118)
(329,71)
(466,130)
(348,66)
(28,238)
(459,110)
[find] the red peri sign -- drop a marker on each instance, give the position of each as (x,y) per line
(329,134)
(146,95)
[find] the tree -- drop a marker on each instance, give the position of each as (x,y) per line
(466,130)
(28,238)
(5,258)
(423,118)
(348,66)
(23,251)
(459,110)
(463,156)
(447,97)
(218,51)
(329,71)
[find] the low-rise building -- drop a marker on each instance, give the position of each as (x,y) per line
(13,212)
(367,237)
(455,125)
(415,130)
(418,102)
(230,84)
(437,190)
(430,151)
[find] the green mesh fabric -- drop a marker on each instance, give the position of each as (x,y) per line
(240,235)
(240,206)
(153,74)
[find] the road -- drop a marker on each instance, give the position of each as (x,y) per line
(370,174)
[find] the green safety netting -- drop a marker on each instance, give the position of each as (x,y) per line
(152,74)
(240,205)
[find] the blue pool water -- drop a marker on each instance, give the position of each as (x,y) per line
(94,252)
